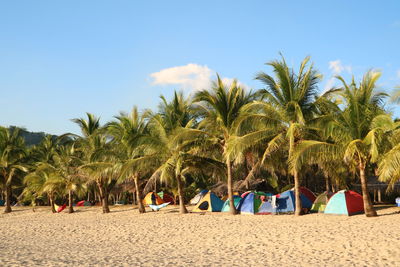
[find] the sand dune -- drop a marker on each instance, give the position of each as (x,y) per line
(165,238)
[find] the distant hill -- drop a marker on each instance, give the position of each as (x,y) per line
(32,138)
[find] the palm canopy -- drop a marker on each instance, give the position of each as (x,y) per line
(293,94)
(220,107)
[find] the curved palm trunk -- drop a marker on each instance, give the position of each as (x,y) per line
(368,207)
(298,211)
(8,199)
(138,195)
(70,207)
(182,207)
(232,208)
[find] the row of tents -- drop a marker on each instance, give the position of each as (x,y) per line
(344,202)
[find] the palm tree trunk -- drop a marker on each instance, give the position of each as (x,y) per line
(138,195)
(327,186)
(232,207)
(298,210)
(70,207)
(106,208)
(8,199)
(182,207)
(368,207)
(51,198)
(104,198)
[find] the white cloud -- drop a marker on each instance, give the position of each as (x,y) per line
(336,68)
(188,77)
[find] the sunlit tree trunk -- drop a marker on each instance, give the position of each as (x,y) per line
(298,210)
(182,207)
(70,206)
(232,208)
(139,195)
(368,207)
(8,199)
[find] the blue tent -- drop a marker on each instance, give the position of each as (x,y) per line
(266,208)
(286,202)
(236,199)
(251,203)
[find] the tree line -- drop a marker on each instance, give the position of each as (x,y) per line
(283,133)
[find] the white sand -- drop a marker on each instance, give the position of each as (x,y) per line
(124,237)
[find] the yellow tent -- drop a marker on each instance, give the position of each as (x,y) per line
(152,199)
(210,202)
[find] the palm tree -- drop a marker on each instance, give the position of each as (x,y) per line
(356,134)
(281,120)
(99,157)
(172,147)
(12,153)
(127,132)
(66,163)
(44,182)
(220,109)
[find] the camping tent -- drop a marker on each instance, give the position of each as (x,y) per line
(227,196)
(252,202)
(152,199)
(210,202)
(198,197)
(321,201)
(266,207)
(286,201)
(345,202)
(236,201)
(83,203)
(165,197)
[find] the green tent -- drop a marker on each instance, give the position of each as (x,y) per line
(236,201)
(321,201)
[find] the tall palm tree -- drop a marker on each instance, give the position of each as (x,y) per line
(12,153)
(356,134)
(281,120)
(220,109)
(126,133)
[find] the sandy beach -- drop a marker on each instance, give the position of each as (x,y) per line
(165,238)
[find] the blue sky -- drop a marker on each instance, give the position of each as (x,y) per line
(60,59)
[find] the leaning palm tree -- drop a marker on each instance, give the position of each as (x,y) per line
(12,153)
(356,134)
(127,132)
(220,109)
(281,120)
